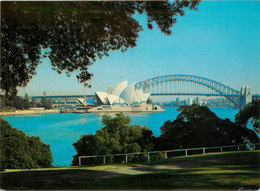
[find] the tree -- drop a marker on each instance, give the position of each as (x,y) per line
(250,111)
(2,102)
(73,34)
(27,103)
(19,151)
(197,126)
(15,102)
(117,136)
(46,103)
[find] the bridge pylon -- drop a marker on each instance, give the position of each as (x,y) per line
(246,95)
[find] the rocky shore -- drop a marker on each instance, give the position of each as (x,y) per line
(30,112)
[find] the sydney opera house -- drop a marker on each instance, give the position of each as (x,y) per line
(123,97)
(122,94)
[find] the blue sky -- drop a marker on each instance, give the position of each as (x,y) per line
(220,41)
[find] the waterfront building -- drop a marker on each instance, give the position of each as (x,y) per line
(122,94)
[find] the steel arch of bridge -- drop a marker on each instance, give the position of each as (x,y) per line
(221,89)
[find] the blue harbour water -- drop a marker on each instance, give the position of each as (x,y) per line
(61,130)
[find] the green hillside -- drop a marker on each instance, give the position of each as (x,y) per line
(230,170)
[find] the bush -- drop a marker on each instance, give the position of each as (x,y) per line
(118,136)
(197,126)
(251,112)
(19,151)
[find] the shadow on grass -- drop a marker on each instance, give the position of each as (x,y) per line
(229,158)
(225,171)
(184,179)
(53,179)
(88,179)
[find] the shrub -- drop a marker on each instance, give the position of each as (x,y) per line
(19,151)
(118,136)
(197,126)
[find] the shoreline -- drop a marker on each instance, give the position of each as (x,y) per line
(29,112)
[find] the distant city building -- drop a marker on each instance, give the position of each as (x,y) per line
(198,100)
(190,101)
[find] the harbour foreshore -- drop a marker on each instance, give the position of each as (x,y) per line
(29,112)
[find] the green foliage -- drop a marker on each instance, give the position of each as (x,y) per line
(198,126)
(46,103)
(74,34)
(19,151)
(15,102)
(23,103)
(250,111)
(27,103)
(117,136)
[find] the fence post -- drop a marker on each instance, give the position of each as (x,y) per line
(104,159)
(125,158)
(166,155)
(79,161)
(148,157)
(186,152)
(203,150)
(238,147)
(221,150)
(254,147)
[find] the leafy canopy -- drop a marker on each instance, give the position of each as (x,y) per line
(74,34)
(198,126)
(19,151)
(250,111)
(117,136)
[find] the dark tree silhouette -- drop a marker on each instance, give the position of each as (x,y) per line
(74,34)
(198,126)
(250,111)
(19,151)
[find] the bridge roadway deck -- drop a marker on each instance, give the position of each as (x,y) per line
(63,96)
(190,94)
(153,94)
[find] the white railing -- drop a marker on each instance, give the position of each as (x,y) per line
(237,147)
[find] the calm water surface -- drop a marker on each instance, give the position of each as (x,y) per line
(62,130)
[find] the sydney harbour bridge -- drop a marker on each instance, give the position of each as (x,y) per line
(190,85)
(185,85)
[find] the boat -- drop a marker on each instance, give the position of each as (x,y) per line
(80,110)
(63,110)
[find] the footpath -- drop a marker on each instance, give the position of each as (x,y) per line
(144,169)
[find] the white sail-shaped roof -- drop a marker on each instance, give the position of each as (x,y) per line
(102,97)
(128,93)
(119,88)
(145,97)
(111,98)
(119,101)
(122,95)
(137,98)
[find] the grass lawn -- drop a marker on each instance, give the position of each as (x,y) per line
(230,170)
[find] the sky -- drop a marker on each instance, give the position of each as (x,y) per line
(220,41)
